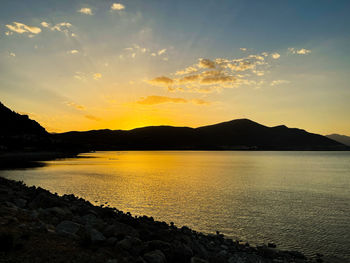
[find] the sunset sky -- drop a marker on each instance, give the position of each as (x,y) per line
(93,64)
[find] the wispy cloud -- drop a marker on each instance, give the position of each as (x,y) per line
(162,51)
(92,117)
(162,81)
(187,70)
(153,100)
(206,63)
(117,6)
(44,24)
(23,28)
(97,76)
(207,76)
(275,55)
(279,82)
(85,10)
(243,49)
(62,27)
(75,106)
(73,51)
(301,51)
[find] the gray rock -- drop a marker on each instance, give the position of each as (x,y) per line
(89,219)
(111,241)
(198,260)
(21,202)
(68,227)
(58,211)
(236,259)
(96,236)
(222,253)
(157,244)
(155,256)
(128,243)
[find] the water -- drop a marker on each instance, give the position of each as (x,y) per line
(298,200)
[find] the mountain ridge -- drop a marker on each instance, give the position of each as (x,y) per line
(21,132)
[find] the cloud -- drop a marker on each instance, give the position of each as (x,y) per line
(153,100)
(76,106)
(97,76)
(92,117)
(117,6)
(206,63)
(243,49)
(12,54)
(217,79)
(301,51)
(187,70)
(200,102)
(162,51)
(85,10)
(279,82)
(8,33)
(22,28)
(162,81)
(188,79)
(44,24)
(275,55)
(74,51)
(61,27)
(207,76)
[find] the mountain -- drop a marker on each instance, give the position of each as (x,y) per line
(340,138)
(19,131)
(240,134)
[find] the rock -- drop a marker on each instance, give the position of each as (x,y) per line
(21,202)
(155,256)
(222,253)
(58,211)
(89,219)
(68,227)
(96,236)
(236,259)
(157,244)
(111,241)
(112,261)
(128,243)
(198,260)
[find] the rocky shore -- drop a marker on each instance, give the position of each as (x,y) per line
(38,226)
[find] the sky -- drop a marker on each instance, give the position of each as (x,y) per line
(96,64)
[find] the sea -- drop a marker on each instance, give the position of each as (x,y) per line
(297,200)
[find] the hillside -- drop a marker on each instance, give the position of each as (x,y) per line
(340,138)
(19,132)
(240,134)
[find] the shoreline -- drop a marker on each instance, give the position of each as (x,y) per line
(38,226)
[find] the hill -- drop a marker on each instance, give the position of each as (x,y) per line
(18,132)
(240,134)
(340,138)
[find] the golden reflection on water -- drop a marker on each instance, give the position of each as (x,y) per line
(294,199)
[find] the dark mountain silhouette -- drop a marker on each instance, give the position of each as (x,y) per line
(340,138)
(241,134)
(18,131)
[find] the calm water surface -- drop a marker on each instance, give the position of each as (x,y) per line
(299,200)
